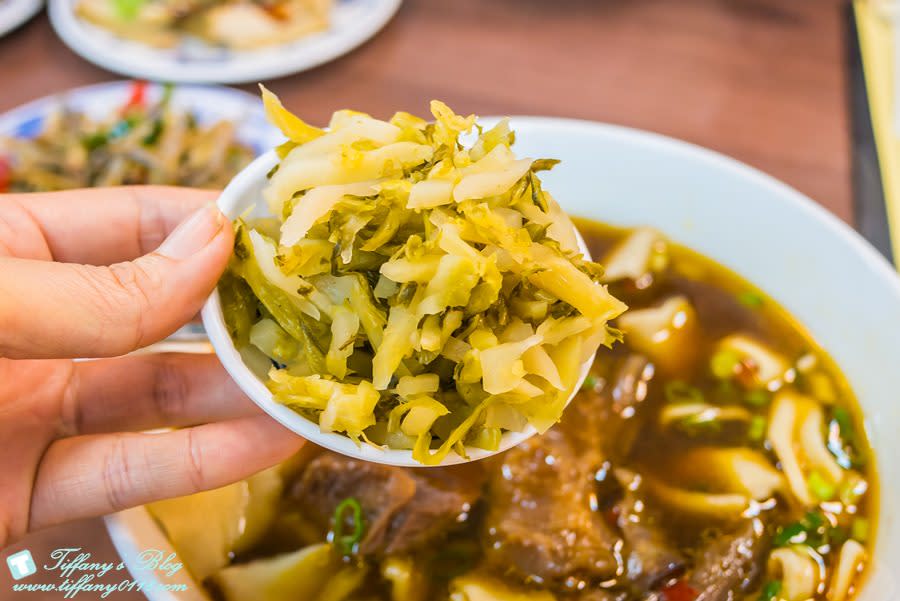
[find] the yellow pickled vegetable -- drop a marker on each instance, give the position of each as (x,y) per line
(408,283)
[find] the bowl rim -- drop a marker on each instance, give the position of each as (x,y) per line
(230,203)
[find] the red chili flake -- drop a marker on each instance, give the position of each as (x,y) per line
(680,591)
(611,515)
(138,96)
(5,174)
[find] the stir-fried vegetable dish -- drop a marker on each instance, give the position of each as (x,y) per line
(243,24)
(715,455)
(142,143)
(413,291)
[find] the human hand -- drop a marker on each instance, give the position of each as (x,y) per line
(79,277)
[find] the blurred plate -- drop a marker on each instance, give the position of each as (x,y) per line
(352,23)
(208,104)
(15,12)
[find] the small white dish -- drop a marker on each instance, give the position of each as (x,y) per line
(244,192)
(352,23)
(14,13)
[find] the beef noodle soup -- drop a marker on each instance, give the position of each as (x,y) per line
(715,454)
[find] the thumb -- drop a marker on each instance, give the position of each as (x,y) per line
(52,310)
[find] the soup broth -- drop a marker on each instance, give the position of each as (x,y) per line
(714,454)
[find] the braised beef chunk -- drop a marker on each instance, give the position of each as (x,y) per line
(730,564)
(541,523)
(610,416)
(443,499)
(381,491)
(650,557)
(404,510)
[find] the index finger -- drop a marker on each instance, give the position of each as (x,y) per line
(93,475)
(100,226)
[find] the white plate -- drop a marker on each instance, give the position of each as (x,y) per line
(824,273)
(352,23)
(16,12)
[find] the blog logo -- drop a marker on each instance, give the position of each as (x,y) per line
(21,564)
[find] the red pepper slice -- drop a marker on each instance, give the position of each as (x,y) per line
(138,97)
(680,591)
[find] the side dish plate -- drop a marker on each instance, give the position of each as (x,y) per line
(352,23)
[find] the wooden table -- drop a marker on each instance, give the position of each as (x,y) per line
(761,80)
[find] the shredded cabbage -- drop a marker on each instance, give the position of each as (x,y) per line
(412,290)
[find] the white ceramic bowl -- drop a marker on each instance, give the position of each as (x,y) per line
(245,192)
(821,271)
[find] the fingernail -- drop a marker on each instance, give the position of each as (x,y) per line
(193,233)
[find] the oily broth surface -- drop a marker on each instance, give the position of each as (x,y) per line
(715,292)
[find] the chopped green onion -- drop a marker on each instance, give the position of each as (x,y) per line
(750,299)
(94,141)
(590,382)
(859,529)
(770,591)
(842,439)
(682,392)
(813,530)
(845,423)
(724,364)
(813,520)
(756,431)
(347,543)
(758,398)
(789,534)
(167,90)
(155,133)
(821,488)
(128,9)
